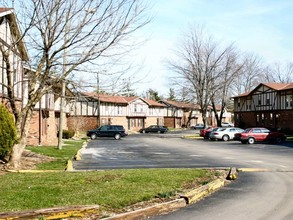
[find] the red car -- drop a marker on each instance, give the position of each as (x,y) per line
(206,132)
(252,135)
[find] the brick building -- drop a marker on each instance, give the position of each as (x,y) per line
(269,105)
(91,110)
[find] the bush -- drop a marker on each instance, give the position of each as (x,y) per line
(68,134)
(8,133)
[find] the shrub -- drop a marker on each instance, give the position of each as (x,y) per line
(7,132)
(68,134)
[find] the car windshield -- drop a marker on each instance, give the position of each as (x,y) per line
(247,130)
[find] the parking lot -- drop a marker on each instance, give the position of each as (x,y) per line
(171,150)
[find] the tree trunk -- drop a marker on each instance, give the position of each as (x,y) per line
(18,148)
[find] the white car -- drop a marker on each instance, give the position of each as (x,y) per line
(225,134)
(227,124)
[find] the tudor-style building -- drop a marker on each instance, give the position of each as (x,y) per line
(269,105)
(17,55)
(91,110)
(181,114)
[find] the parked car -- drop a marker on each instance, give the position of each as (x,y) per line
(116,131)
(225,134)
(252,135)
(154,129)
(227,124)
(198,126)
(205,133)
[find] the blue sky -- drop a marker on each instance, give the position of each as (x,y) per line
(263,27)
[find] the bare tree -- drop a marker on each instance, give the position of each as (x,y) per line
(279,72)
(250,75)
(228,71)
(64,37)
(205,67)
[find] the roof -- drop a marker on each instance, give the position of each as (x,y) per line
(153,103)
(181,104)
(274,86)
(121,99)
(108,98)
(9,13)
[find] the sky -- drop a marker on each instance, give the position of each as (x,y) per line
(262,27)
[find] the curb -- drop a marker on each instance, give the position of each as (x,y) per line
(232,174)
(52,213)
(184,200)
(77,156)
(253,170)
(151,211)
(197,194)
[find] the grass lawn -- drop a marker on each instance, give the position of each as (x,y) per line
(67,152)
(113,190)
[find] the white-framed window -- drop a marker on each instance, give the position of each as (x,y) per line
(288,101)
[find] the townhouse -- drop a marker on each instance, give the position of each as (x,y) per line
(91,110)
(181,114)
(44,123)
(17,55)
(269,105)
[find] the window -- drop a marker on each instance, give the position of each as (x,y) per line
(268,102)
(119,110)
(256,130)
(259,99)
(289,101)
(257,118)
(135,108)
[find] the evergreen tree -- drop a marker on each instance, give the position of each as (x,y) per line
(7,132)
(171,95)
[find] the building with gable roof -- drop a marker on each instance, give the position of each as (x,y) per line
(181,114)
(269,105)
(44,122)
(17,53)
(91,110)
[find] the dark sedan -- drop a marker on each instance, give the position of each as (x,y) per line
(154,129)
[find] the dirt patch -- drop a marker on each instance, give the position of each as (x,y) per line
(29,161)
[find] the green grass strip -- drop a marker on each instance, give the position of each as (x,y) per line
(112,189)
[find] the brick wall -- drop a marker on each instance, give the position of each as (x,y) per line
(82,123)
(249,119)
(169,122)
(48,129)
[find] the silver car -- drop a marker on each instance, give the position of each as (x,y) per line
(225,134)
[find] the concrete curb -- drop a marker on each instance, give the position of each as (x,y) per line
(184,200)
(233,174)
(78,155)
(199,193)
(52,213)
(151,211)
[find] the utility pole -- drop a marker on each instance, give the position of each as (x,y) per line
(63,85)
(61,116)
(99,102)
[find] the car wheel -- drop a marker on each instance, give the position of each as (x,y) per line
(251,140)
(278,140)
(143,131)
(225,138)
(93,136)
(159,132)
(117,136)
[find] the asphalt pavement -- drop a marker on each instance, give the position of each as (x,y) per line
(263,190)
